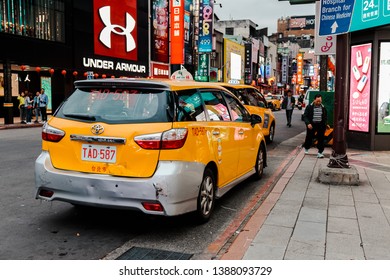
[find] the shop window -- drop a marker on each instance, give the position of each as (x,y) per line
(42,19)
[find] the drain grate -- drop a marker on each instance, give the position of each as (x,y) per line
(138,253)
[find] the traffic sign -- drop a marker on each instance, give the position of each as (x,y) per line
(342,16)
(335,16)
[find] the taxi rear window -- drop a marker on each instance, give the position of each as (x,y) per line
(117,106)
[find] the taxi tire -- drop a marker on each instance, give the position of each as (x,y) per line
(259,167)
(206,197)
(271,135)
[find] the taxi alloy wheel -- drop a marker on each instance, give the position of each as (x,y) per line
(206,197)
(260,163)
(270,137)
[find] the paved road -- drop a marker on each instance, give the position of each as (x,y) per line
(33,229)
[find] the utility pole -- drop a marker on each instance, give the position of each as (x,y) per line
(323,72)
(339,157)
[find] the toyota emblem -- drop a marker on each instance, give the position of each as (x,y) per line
(97,129)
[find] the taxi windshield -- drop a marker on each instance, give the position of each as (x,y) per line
(117,106)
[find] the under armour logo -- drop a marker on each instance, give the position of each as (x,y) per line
(105,35)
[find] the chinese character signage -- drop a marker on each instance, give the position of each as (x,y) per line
(177,31)
(203,68)
(360,88)
(160,70)
(206,26)
(323,45)
(284,69)
(300,69)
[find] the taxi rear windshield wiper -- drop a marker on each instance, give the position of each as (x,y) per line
(81,116)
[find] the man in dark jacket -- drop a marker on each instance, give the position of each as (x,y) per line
(315,118)
(288,104)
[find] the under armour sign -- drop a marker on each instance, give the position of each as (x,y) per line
(115,32)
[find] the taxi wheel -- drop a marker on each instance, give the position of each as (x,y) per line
(206,198)
(270,137)
(259,163)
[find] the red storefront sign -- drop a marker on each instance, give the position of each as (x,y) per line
(115,28)
(160,70)
(177,31)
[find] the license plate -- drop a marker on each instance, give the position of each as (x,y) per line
(98,153)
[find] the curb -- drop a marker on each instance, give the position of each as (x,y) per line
(19,125)
(236,239)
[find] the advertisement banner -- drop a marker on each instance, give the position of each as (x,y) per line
(234,60)
(305,22)
(383,89)
(203,67)
(188,35)
(268,71)
(177,32)
(206,13)
(300,69)
(160,19)
(114,38)
(360,87)
(284,69)
(115,26)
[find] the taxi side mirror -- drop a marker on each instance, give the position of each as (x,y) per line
(255,119)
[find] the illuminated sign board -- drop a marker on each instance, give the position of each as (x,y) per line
(177,32)
(205,43)
(360,87)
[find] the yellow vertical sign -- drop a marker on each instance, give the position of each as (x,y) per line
(300,69)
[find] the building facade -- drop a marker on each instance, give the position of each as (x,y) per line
(49,44)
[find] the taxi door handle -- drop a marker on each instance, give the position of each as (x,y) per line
(216,132)
(241,131)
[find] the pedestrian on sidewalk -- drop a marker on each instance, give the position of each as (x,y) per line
(37,111)
(28,105)
(315,118)
(22,110)
(288,104)
(43,101)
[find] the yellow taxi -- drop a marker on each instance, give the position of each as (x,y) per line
(162,147)
(274,102)
(255,102)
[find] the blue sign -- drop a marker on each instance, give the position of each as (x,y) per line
(342,16)
(335,16)
(206,14)
(370,13)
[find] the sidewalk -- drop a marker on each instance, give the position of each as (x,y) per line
(17,124)
(302,219)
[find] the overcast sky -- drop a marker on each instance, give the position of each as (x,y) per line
(265,13)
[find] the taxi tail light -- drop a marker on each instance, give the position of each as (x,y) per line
(153,206)
(171,139)
(52,134)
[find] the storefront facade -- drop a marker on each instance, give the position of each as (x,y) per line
(368,125)
(50,44)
